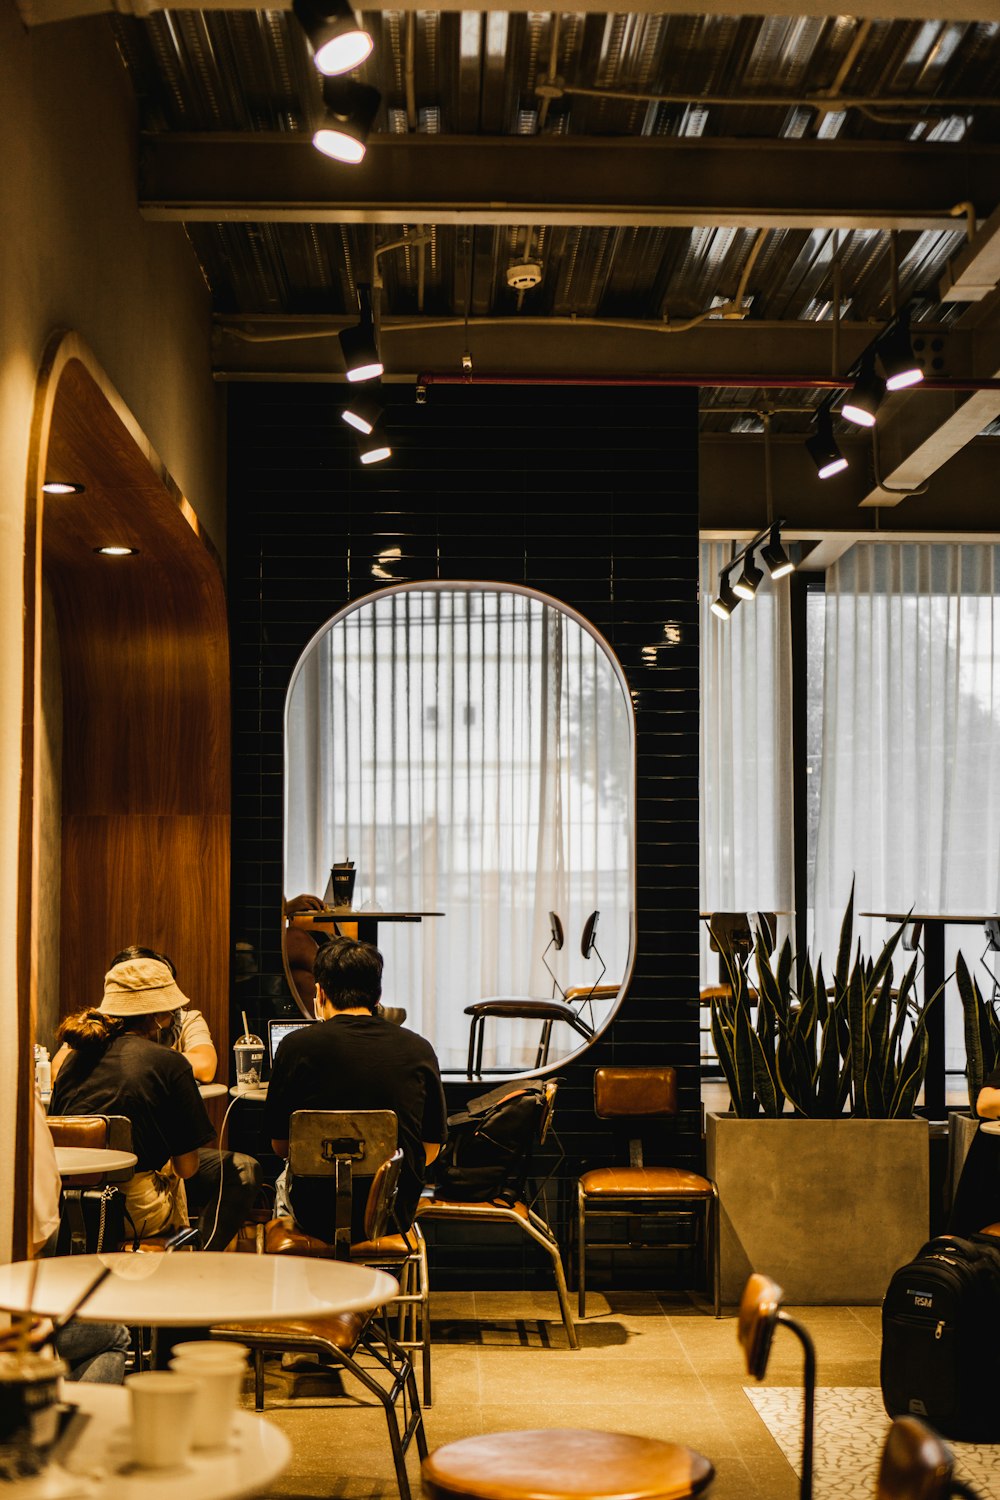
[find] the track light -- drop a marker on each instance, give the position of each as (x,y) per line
(895,351)
(774,557)
(362,412)
(727,600)
(822,446)
(866,397)
(358,344)
(750,579)
(349,113)
(373,447)
(338,42)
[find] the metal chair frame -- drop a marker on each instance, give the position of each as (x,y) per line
(759,1315)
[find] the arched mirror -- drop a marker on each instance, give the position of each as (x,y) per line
(470,747)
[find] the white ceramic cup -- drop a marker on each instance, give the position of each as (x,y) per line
(164,1405)
(216,1351)
(219,1386)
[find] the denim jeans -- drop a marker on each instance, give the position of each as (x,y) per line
(94,1351)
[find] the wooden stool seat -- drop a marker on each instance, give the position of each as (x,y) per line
(991,1229)
(564,1463)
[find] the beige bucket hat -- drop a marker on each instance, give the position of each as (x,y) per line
(140,987)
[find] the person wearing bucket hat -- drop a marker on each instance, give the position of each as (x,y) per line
(116,1066)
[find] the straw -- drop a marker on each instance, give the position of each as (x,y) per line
(60,1323)
(246,1028)
(25,1319)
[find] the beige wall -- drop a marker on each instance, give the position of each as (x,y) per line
(75,254)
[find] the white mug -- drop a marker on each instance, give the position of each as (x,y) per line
(164,1405)
(219,1387)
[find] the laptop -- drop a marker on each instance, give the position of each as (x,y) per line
(278,1030)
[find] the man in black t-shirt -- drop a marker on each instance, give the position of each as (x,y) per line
(355,1060)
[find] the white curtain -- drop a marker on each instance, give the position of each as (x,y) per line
(746,753)
(910,790)
(470,750)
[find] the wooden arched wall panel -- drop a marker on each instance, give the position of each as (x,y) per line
(145,680)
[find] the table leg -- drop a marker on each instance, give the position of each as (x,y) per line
(368,930)
(934,1090)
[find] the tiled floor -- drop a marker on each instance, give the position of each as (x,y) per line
(652,1364)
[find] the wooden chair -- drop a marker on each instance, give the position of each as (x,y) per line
(559,1463)
(357,1341)
(917,1465)
(759,1315)
(638,1190)
(569,1009)
(523,1216)
(113,1132)
(371,1137)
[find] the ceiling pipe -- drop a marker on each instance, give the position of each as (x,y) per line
(732,382)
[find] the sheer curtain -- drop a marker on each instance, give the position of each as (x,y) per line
(746,753)
(464,747)
(910,789)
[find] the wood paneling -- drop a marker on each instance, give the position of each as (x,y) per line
(145,684)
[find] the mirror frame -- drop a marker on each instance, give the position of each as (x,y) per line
(458,585)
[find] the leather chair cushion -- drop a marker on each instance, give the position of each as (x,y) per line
(659,1182)
(340,1330)
(282,1237)
(991,1229)
(563,1464)
(431,1203)
(621,1092)
(79,1130)
(524,1010)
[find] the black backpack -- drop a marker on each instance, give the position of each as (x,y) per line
(487,1156)
(940,1323)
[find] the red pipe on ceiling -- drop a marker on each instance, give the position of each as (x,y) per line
(733,382)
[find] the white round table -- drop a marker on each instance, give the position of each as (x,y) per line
(990,1127)
(259,1094)
(212,1090)
(86,1161)
(193,1287)
(99,1463)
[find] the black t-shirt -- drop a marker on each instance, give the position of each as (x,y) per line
(152,1085)
(358,1062)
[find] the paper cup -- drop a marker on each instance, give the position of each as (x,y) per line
(219,1387)
(215,1351)
(164,1406)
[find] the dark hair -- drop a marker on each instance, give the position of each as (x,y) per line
(135,951)
(349,973)
(91,1030)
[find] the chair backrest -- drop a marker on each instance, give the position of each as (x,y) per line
(622,1092)
(916,1464)
(340,1145)
(759,1307)
(100,1132)
(733,932)
(382,1196)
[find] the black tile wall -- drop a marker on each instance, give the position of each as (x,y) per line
(588,494)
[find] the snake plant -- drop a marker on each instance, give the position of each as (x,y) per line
(858,1044)
(982,1031)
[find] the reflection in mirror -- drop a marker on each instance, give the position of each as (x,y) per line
(471,748)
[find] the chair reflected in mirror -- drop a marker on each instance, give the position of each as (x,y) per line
(574,1009)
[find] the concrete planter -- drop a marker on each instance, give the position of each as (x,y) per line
(828,1208)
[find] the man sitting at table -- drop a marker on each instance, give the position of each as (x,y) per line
(354,1059)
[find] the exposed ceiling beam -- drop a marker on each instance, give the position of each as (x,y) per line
(573,180)
(974,272)
(38,12)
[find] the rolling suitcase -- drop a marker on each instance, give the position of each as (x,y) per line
(940,1327)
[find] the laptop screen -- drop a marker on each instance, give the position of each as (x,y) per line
(278,1030)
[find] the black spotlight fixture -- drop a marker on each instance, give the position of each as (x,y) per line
(349,111)
(866,397)
(822,446)
(362,413)
(727,599)
(750,578)
(774,557)
(358,345)
(895,352)
(338,43)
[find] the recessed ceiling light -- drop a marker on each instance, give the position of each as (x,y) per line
(117,551)
(62,487)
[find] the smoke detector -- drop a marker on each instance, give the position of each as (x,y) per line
(523,275)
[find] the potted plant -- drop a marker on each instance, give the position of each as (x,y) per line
(821,1164)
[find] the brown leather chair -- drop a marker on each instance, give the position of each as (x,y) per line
(360,1342)
(759,1315)
(560,1463)
(103,1132)
(650,1095)
(402,1253)
(917,1465)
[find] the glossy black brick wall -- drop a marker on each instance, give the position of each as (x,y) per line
(587,494)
